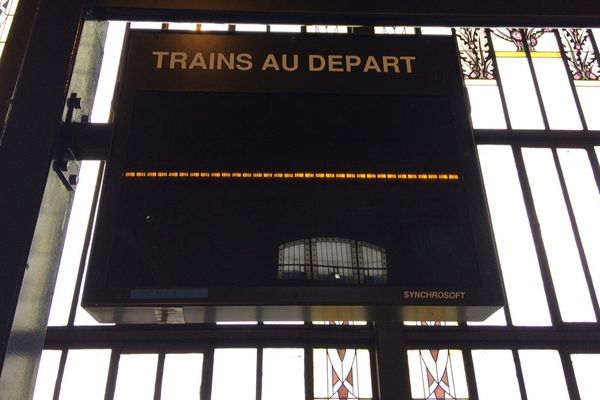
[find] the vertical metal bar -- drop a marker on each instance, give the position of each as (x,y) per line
(160,367)
(86,246)
(536,84)
(563,56)
(111,379)
(259,369)
(470,374)
(59,374)
(570,379)
(308,373)
(374,375)
(576,235)
(392,361)
(207,372)
(537,238)
(498,79)
(519,372)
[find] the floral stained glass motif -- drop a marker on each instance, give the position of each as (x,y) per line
(474,50)
(583,62)
(518,37)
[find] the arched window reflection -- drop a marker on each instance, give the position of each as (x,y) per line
(343,261)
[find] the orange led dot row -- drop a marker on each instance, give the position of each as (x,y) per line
(290,175)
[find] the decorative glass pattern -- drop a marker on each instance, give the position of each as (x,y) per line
(583,62)
(347,376)
(474,50)
(434,374)
(518,36)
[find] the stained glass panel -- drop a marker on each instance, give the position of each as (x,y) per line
(7,12)
(437,374)
(342,374)
(517,81)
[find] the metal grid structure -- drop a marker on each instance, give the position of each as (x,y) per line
(435,345)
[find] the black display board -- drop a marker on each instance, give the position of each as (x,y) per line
(291,177)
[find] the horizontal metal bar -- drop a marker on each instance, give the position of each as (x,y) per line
(580,13)
(575,337)
(538,138)
(195,335)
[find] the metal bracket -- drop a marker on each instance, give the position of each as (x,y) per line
(65,163)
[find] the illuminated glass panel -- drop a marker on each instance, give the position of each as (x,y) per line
(437,374)
(342,374)
(480,78)
(395,30)
(234,374)
(182,377)
(283,374)
(514,242)
(44,385)
(585,200)
(251,27)
(183,26)
(136,376)
(496,375)
(517,81)
(553,80)
(543,375)
(85,375)
(585,71)
(326,29)
(586,368)
(563,257)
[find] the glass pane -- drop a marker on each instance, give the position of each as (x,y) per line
(586,368)
(495,374)
(395,30)
(251,28)
(283,374)
(183,26)
(436,30)
(496,319)
(585,199)
(557,95)
(326,29)
(437,374)
(46,376)
(215,27)
(521,99)
(234,374)
(136,377)
(286,28)
(486,106)
(589,97)
(563,257)
(182,377)
(543,375)
(71,255)
(85,375)
(342,373)
(146,25)
(516,251)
